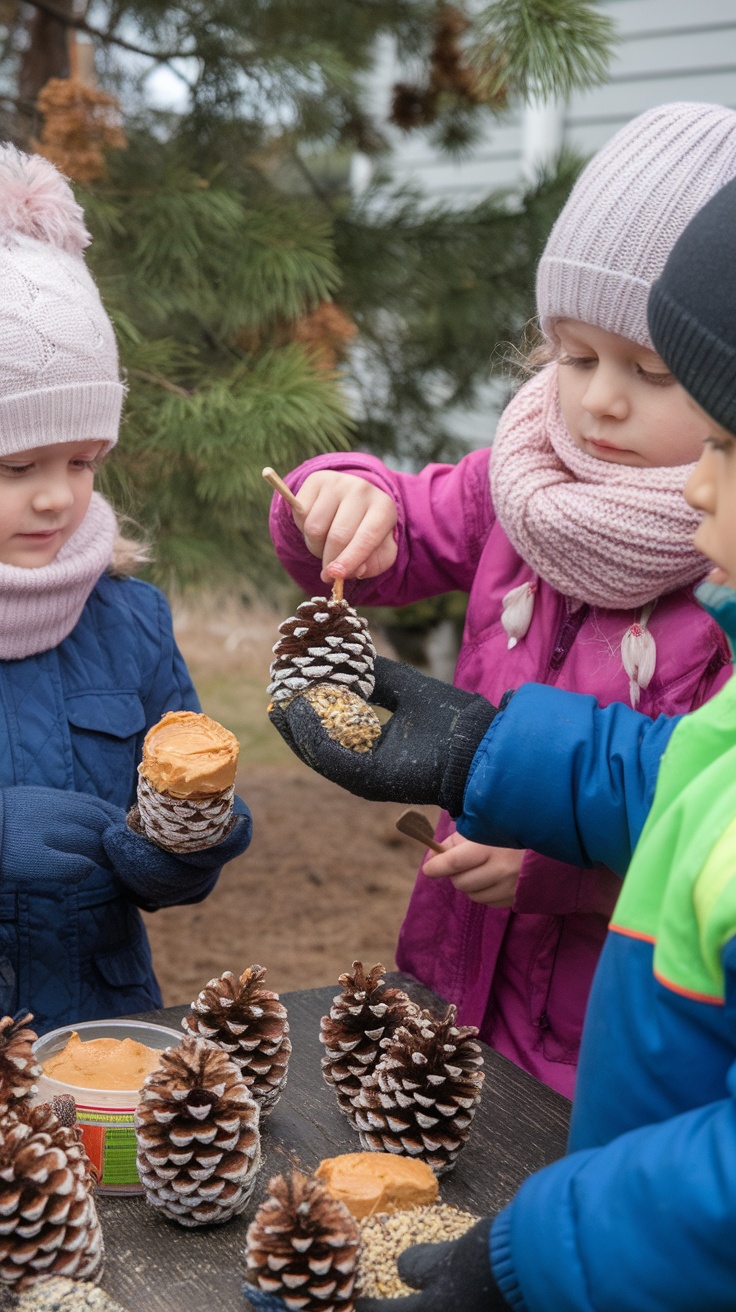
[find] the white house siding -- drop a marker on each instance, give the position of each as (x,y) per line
(668,50)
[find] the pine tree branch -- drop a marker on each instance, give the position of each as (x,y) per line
(158,381)
(81,25)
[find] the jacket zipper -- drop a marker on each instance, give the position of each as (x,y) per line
(566,635)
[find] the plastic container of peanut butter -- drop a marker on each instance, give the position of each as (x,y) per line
(82,1060)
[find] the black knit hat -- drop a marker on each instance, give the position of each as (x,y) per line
(692,309)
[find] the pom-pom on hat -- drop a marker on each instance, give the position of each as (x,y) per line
(59,375)
(627,210)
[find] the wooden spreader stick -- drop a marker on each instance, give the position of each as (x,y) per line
(416,825)
(279,486)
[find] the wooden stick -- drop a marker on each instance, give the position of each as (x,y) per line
(279,485)
(416,825)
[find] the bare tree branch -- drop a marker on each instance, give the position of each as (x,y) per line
(81,25)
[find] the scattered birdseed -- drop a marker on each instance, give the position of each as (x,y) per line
(61,1295)
(386,1235)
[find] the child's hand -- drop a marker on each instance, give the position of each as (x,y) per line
(349,524)
(487,874)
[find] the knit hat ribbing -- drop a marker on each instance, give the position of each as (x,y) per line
(59,377)
(627,210)
(691,309)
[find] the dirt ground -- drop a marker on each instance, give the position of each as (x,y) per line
(327,877)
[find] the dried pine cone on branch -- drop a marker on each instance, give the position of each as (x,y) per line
(301,1249)
(18,1066)
(197,1131)
(366,1013)
(424,1092)
(248,1021)
(48,1219)
(326,655)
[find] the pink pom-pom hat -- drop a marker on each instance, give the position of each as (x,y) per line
(59,373)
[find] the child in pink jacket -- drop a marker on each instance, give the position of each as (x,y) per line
(574,543)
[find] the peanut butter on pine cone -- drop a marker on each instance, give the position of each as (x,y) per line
(186,783)
(326,655)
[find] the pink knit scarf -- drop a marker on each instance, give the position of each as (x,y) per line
(40,607)
(611,535)
(614,536)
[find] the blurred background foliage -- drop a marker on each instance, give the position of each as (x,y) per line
(263,312)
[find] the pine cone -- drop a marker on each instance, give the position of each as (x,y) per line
(364,1014)
(18,1066)
(412,106)
(197,1131)
(249,1023)
(424,1093)
(48,1219)
(302,1248)
(325,642)
(182,824)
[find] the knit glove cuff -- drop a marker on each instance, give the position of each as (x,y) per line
(472,726)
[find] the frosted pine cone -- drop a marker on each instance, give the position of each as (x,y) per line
(364,1014)
(182,824)
(197,1131)
(424,1093)
(248,1021)
(48,1219)
(325,653)
(301,1248)
(18,1066)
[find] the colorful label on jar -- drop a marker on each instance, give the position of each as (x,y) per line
(109,1140)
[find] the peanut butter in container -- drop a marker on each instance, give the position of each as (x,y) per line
(103,1064)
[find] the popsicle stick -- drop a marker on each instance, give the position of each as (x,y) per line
(279,485)
(416,825)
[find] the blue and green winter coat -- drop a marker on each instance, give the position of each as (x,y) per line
(641,1214)
(72,942)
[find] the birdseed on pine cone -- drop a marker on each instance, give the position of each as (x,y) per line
(62,1295)
(384,1236)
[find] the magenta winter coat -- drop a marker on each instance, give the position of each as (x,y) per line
(521,975)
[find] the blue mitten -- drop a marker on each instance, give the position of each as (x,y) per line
(49,833)
(157,878)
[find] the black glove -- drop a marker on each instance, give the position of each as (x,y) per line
(424,753)
(453,1277)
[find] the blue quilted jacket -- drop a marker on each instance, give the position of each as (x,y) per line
(74,718)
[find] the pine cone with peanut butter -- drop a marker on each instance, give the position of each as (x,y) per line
(186,783)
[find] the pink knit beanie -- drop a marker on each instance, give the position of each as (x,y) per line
(625,213)
(59,376)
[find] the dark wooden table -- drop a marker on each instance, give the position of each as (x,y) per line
(153,1265)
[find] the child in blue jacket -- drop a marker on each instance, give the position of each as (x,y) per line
(88,661)
(641,1213)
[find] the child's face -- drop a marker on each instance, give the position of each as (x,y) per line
(621,404)
(44,496)
(712,489)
